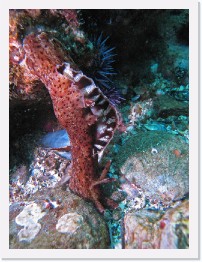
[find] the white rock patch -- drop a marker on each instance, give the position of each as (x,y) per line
(29,219)
(69,223)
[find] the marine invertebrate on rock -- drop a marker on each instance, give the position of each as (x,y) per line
(101,70)
(103,61)
(80,107)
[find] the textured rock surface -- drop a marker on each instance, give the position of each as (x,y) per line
(146,229)
(56,220)
(45,171)
(166,106)
(156,163)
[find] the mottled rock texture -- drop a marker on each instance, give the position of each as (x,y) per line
(157,163)
(147,229)
(56,219)
(166,106)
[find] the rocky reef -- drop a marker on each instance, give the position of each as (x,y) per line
(99,129)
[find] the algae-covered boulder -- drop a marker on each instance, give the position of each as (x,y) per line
(157,163)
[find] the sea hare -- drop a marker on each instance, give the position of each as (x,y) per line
(80,107)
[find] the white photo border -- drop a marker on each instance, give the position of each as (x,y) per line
(193,251)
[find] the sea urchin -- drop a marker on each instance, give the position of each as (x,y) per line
(101,69)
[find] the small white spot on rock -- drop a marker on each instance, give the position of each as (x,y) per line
(154,151)
(69,223)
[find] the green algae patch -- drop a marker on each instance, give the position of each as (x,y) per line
(142,142)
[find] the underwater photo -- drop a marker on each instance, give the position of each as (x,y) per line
(99,128)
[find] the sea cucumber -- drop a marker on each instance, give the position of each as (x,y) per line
(80,107)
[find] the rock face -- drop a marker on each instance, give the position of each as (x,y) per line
(45,171)
(166,106)
(56,219)
(147,229)
(157,163)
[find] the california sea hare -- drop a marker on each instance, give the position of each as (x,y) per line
(80,107)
